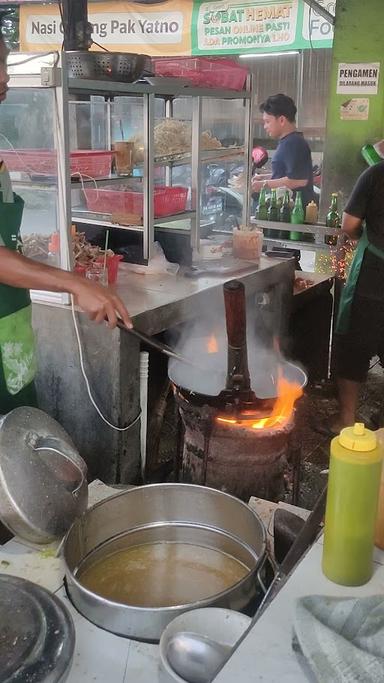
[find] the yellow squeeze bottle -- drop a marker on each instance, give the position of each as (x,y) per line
(350,517)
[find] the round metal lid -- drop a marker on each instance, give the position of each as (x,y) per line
(37,635)
(43,485)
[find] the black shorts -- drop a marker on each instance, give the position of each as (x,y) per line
(364,339)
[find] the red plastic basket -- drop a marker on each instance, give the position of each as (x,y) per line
(167,200)
(203,71)
(95,163)
(87,162)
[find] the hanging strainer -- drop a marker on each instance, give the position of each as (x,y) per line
(121,67)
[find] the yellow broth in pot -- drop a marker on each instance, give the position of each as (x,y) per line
(162,574)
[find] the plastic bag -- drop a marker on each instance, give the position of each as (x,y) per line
(157,265)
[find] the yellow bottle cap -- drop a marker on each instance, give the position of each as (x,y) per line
(358,438)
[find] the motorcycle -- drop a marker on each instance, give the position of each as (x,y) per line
(222,201)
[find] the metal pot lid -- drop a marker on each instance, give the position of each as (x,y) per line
(43,485)
(37,635)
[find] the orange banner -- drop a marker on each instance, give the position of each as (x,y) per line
(118,26)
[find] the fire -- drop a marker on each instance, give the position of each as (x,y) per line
(288,393)
(212,345)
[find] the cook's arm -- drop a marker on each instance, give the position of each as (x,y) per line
(289,183)
(97,301)
(351,226)
(262,176)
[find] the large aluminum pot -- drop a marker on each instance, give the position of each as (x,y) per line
(182,513)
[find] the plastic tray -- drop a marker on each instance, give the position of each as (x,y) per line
(167,200)
(93,163)
(203,71)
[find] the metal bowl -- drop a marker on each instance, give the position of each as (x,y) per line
(181,513)
(112,66)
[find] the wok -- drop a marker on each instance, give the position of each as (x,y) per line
(208,382)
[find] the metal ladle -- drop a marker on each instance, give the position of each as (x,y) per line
(196,658)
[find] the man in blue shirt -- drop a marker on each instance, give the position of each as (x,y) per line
(292,161)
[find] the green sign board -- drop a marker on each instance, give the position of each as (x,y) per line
(246,26)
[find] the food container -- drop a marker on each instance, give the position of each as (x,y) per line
(87,162)
(167,200)
(247,244)
(210,249)
(178,514)
(123,151)
(203,71)
(112,267)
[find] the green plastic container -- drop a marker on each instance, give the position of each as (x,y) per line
(350,517)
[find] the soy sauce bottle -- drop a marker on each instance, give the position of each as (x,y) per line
(273,211)
(285,214)
(332,220)
(262,211)
(297,217)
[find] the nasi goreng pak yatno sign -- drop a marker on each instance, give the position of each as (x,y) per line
(358,79)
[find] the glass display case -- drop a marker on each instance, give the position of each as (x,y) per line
(28,147)
(122,159)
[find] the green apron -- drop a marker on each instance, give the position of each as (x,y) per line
(17,349)
(348,292)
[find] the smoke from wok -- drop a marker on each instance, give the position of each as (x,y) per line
(204,341)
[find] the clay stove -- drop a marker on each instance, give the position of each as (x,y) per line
(236,441)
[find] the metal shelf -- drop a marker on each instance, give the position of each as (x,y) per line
(80,217)
(292,244)
(317,229)
(107,180)
(205,156)
(104,219)
(83,85)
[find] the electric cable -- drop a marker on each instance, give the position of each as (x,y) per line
(87,383)
(38,55)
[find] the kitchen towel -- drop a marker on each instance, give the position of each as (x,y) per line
(341,639)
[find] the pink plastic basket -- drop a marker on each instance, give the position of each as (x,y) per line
(203,71)
(93,163)
(167,200)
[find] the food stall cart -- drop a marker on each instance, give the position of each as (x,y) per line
(64,177)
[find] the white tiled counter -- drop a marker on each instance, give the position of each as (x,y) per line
(265,654)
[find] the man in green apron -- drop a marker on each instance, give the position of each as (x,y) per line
(360,323)
(19,274)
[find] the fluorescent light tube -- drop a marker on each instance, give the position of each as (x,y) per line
(254,55)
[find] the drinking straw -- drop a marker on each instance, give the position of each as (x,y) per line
(105,254)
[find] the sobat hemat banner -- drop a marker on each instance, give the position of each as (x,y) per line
(242,26)
(186,27)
